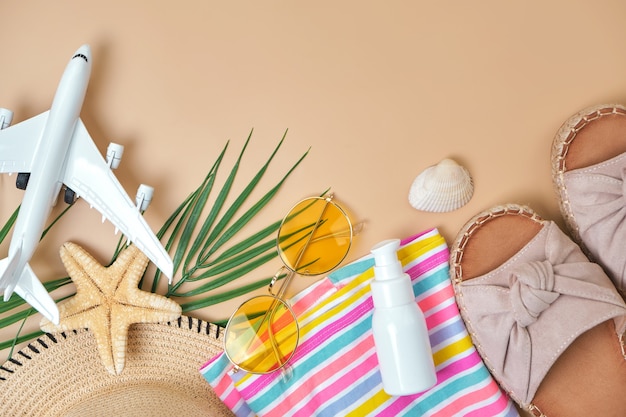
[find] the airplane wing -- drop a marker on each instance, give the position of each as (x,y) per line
(89,176)
(19,142)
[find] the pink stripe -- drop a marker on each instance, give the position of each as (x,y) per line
(437,298)
(232,399)
(323,289)
(499,406)
(433,261)
(327,371)
(471,398)
(441,316)
(224,383)
(458,366)
(417,236)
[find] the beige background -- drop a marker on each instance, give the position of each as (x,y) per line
(378,91)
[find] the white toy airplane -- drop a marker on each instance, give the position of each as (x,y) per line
(51,149)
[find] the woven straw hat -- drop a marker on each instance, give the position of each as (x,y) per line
(61,374)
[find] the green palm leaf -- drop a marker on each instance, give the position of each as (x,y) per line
(211,255)
(204,255)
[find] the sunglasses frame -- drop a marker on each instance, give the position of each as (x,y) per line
(279,296)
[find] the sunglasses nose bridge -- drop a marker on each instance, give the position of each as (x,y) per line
(275,278)
(284,284)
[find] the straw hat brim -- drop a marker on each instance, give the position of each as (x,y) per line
(61,374)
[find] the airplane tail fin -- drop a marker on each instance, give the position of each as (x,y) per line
(8,267)
(34,293)
(27,286)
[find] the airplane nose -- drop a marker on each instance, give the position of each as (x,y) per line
(83,52)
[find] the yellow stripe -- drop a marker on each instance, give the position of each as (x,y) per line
(370,405)
(349,287)
(452,350)
(347,304)
(412,251)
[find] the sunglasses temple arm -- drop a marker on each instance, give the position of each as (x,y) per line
(357,228)
(346,232)
(285,370)
(268,316)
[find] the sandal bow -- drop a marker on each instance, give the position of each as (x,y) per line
(531,291)
(540,301)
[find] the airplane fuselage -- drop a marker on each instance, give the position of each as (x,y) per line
(53,149)
(49,158)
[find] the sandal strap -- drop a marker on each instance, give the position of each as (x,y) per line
(525,313)
(597,197)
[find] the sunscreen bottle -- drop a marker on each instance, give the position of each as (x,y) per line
(400,333)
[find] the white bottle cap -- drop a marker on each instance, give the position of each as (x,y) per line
(391,287)
(387,265)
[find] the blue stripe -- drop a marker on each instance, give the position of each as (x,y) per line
(216,368)
(339,404)
(351,270)
(243,410)
(452,329)
(430,280)
(214,371)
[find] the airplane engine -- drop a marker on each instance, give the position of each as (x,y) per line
(22,180)
(6,117)
(69,196)
(144,197)
(114,154)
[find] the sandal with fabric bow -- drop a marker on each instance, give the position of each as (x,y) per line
(547,322)
(588,171)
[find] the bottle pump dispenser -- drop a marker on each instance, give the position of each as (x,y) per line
(399,328)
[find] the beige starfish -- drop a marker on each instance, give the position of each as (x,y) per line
(108,301)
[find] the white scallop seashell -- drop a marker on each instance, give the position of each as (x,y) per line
(440,188)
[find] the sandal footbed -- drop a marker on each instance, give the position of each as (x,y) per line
(599,140)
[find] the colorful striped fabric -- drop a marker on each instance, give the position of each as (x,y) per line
(334,371)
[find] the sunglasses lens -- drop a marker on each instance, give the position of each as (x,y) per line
(314,237)
(262,335)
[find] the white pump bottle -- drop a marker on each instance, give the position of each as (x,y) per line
(399,328)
